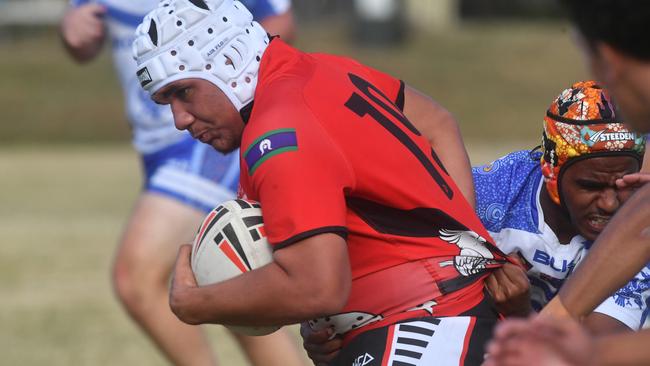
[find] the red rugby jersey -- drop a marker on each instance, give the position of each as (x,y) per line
(328,150)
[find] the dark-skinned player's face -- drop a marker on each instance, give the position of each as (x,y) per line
(589,191)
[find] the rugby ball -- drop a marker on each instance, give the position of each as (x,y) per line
(231,241)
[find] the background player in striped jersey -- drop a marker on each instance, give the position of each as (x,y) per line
(184,179)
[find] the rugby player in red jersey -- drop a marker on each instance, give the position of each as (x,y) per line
(373,238)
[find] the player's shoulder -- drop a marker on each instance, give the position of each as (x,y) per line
(506,174)
(517,161)
(281,96)
(505,190)
(280,105)
(348,66)
(284,70)
(278,124)
(509,173)
(265,122)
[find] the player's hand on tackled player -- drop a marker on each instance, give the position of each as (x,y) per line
(541,341)
(633,181)
(510,289)
(183,282)
(320,348)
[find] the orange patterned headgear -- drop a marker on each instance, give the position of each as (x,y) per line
(583,123)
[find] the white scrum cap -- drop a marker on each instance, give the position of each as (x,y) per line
(214,40)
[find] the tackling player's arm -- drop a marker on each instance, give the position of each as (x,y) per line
(620,252)
(308,279)
(602,324)
(623,349)
(441,129)
(82,31)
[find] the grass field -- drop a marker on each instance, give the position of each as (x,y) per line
(67,185)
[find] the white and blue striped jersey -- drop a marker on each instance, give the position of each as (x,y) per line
(152,124)
(507,202)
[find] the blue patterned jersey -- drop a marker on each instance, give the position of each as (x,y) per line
(507,202)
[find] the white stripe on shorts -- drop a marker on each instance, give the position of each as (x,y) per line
(420,343)
(191,186)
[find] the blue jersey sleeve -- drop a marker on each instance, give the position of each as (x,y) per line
(630,304)
(505,190)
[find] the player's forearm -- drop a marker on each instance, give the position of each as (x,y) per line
(600,325)
(440,128)
(629,349)
(266,296)
(308,279)
(619,253)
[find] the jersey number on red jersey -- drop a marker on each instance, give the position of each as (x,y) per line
(361,107)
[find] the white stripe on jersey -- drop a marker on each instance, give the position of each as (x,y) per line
(197,188)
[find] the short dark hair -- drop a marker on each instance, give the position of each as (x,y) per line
(623,24)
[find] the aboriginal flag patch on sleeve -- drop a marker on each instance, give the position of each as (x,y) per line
(271,143)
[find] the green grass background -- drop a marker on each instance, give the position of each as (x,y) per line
(68,175)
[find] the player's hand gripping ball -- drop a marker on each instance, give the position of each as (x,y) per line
(230,241)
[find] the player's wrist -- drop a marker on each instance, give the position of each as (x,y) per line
(183,303)
(556,309)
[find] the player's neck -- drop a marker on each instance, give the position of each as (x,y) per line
(557,218)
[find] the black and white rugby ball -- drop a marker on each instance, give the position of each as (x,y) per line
(231,241)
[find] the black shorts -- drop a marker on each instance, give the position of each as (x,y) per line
(430,341)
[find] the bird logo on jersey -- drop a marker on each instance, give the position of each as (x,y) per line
(474,256)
